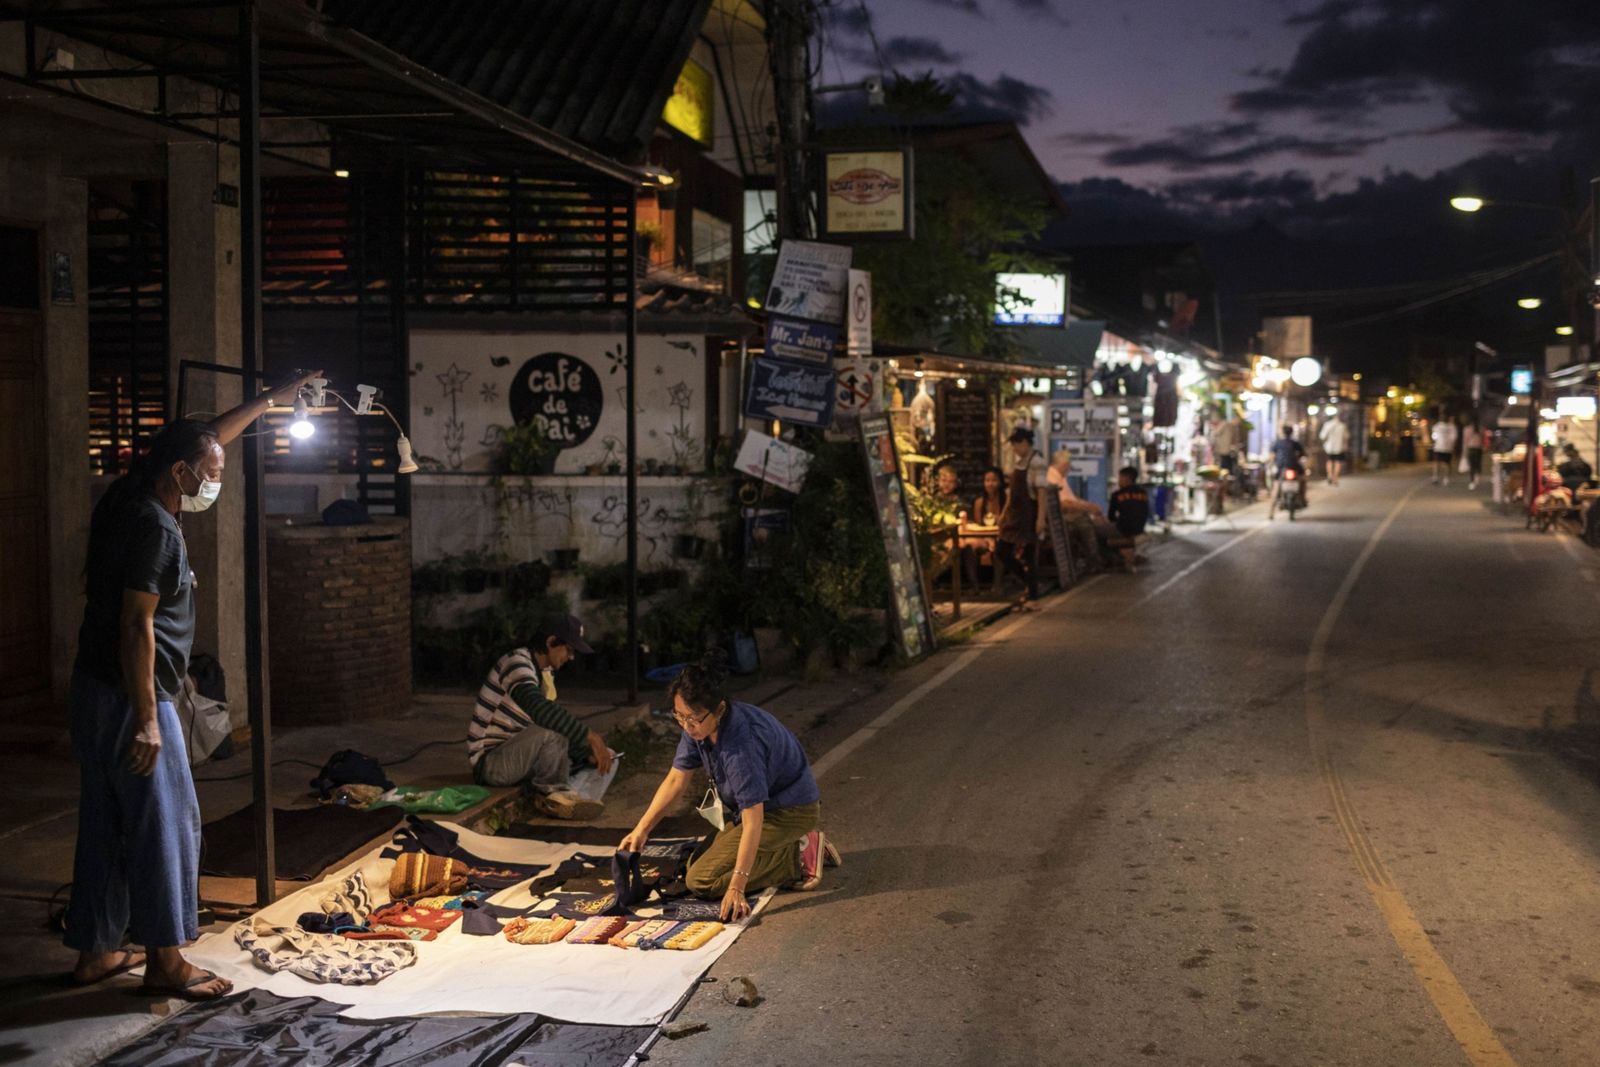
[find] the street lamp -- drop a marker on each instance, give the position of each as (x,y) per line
(1469,204)
(1529,303)
(1563,331)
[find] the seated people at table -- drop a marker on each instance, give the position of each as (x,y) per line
(519,735)
(986,511)
(763,801)
(1086,523)
(1129,512)
(947,487)
(1574,469)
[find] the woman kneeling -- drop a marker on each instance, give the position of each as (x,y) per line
(764,800)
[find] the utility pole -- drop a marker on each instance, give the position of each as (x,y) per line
(789,28)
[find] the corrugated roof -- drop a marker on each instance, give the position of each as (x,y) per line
(597,71)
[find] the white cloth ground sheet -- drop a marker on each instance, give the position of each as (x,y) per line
(459,972)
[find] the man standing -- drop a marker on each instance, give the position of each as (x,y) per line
(1022,522)
(520,736)
(1335,442)
(1444,449)
(136,870)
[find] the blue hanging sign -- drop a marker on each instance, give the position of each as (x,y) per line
(801,339)
(790,392)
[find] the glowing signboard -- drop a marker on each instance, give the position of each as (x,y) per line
(1030,299)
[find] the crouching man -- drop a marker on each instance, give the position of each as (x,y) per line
(520,736)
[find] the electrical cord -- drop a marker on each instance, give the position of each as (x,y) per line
(407,758)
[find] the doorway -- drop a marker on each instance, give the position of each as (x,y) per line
(24,512)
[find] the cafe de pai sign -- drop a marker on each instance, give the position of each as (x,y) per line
(866,193)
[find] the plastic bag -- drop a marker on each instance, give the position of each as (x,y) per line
(590,784)
(205,722)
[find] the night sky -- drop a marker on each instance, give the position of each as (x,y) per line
(1332,132)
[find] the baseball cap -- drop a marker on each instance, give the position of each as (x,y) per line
(566,629)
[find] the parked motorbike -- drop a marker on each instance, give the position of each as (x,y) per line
(1289,493)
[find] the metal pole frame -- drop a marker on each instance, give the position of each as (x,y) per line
(255,598)
(631,318)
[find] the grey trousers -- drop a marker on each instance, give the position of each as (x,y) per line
(535,758)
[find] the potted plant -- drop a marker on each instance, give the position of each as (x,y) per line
(525,449)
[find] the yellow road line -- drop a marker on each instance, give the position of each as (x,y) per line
(1476,1038)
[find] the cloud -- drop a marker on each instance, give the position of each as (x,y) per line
(852,20)
(1004,97)
(1091,138)
(907,51)
(1531,67)
(1230,144)
(1243,189)
(969,6)
(1045,9)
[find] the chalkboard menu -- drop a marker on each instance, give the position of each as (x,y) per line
(1059,545)
(913,622)
(966,434)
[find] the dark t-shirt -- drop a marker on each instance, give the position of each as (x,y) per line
(1130,510)
(140,548)
(1286,452)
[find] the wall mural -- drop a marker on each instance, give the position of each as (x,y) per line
(468,388)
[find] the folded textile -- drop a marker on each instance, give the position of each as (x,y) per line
(593,872)
(646,933)
(332,922)
(352,897)
(596,931)
(454,903)
(405,922)
(693,935)
(321,957)
(419,874)
(538,931)
(579,905)
(355,795)
(694,909)
(421,836)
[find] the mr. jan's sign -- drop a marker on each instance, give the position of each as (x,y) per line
(866,193)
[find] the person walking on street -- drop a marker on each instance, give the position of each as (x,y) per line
(1335,437)
(1472,448)
(1444,449)
(136,870)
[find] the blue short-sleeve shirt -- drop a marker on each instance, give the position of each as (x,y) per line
(755,760)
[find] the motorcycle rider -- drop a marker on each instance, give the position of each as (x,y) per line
(1288,453)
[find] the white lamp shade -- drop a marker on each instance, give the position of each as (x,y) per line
(1305,371)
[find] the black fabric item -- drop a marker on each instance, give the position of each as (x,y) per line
(578,867)
(310,840)
(421,835)
(674,826)
(260,1029)
(209,679)
(696,910)
(346,513)
(349,767)
(137,544)
(482,919)
(316,922)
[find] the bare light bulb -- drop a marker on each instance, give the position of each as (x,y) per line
(301,428)
(408,461)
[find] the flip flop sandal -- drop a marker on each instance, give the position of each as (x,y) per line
(186,991)
(124,965)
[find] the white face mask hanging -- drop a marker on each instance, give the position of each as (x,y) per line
(710,809)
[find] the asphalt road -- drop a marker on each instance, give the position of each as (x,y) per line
(1297,794)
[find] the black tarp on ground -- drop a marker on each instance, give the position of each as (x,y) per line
(260,1029)
(309,840)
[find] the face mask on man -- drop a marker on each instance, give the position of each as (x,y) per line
(203,497)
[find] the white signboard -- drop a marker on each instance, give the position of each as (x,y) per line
(1077,420)
(1286,337)
(1033,299)
(809,281)
(858,326)
(773,461)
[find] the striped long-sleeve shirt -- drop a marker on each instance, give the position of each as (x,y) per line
(513,698)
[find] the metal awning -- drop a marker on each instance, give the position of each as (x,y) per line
(312,68)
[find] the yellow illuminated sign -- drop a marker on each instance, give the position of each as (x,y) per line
(689,108)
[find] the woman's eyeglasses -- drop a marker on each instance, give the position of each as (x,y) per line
(687,721)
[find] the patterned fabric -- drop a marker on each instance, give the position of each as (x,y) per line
(454,903)
(693,936)
(538,931)
(406,922)
(647,933)
(597,931)
(694,909)
(421,835)
(418,874)
(351,896)
(321,957)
